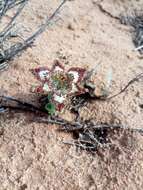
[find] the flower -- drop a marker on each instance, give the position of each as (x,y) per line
(59,85)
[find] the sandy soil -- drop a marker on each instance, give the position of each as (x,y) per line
(32,156)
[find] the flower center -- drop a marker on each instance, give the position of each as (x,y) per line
(61,82)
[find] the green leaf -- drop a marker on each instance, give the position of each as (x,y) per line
(50,107)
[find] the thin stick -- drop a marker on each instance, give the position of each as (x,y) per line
(7,102)
(138,48)
(9,25)
(4,9)
(11,52)
(77,126)
(136,79)
(47,23)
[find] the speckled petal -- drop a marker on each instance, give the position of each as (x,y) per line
(57,67)
(77,73)
(41,73)
(59,99)
(46,87)
(76,90)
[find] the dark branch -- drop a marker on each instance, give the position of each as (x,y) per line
(10,53)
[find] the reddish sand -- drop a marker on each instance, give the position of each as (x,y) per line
(32,156)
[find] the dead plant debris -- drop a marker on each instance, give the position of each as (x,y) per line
(9,50)
(87,135)
(136,21)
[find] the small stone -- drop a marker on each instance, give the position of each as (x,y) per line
(71,27)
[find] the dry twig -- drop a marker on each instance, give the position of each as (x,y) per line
(136,21)
(88,135)
(136,79)
(9,53)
